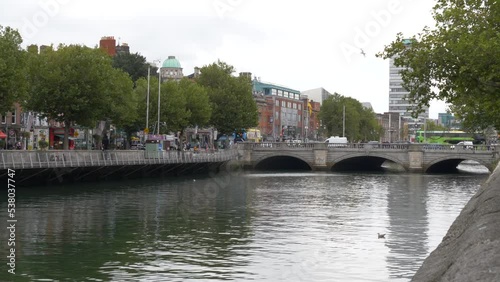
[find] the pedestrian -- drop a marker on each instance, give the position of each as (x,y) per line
(105,142)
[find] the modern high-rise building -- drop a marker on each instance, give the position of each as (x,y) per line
(397,94)
(317,94)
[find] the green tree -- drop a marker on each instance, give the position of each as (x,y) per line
(133,64)
(231,98)
(140,92)
(360,123)
(369,127)
(78,85)
(13,85)
(457,61)
(197,103)
(123,101)
(174,114)
(183,104)
(432,126)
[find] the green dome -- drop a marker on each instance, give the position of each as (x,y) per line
(171,62)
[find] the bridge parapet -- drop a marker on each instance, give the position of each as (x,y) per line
(77,158)
(413,157)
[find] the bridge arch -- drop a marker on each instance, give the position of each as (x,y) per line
(363,161)
(449,164)
(282,160)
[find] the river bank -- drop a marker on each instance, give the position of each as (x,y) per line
(470,251)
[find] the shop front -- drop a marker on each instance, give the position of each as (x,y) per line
(56,138)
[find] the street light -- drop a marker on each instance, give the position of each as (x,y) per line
(147,97)
(159,94)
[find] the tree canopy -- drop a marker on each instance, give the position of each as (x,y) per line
(78,85)
(12,69)
(458,61)
(360,123)
(133,64)
(233,107)
(183,104)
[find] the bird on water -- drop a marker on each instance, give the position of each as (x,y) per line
(381,236)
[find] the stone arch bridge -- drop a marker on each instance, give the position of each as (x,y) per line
(419,158)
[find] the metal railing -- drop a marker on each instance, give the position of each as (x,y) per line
(76,158)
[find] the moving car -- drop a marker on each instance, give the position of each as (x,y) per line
(468,145)
(336,141)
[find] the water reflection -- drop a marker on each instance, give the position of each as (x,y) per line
(262,227)
(408,224)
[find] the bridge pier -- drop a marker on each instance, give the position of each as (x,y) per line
(320,158)
(415,159)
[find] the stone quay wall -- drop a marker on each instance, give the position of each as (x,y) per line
(470,251)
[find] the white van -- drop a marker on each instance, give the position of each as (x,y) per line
(464,145)
(336,141)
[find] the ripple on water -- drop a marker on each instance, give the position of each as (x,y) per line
(261,227)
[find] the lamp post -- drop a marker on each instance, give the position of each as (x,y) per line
(343,122)
(146,129)
(390,127)
(274,118)
(159,94)
(147,97)
(399,126)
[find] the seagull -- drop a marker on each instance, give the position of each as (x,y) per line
(381,236)
(362,52)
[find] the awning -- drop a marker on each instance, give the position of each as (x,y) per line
(2,135)
(62,136)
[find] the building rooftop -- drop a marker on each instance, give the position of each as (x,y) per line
(259,86)
(171,62)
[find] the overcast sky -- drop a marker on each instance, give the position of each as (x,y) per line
(298,44)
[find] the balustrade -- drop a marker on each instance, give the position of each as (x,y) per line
(76,158)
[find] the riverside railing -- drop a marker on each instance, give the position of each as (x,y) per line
(75,158)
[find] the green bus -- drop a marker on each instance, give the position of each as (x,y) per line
(444,137)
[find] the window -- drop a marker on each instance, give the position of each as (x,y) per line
(274,92)
(294,105)
(300,107)
(283,103)
(4,119)
(277,103)
(289,105)
(13,120)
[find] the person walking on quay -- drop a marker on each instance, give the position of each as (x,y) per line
(105,142)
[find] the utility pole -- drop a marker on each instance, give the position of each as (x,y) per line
(390,128)
(274,118)
(147,106)
(343,123)
(159,94)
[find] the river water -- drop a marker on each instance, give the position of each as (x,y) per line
(281,226)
